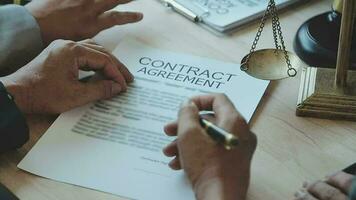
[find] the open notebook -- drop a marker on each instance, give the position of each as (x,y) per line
(224,15)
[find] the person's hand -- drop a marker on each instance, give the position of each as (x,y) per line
(49,83)
(215,173)
(335,187)
(78,19)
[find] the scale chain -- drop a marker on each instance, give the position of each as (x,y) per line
(291,71)
(274,28)
(277,34)
(244,66)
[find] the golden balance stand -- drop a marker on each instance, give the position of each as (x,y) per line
(331,93)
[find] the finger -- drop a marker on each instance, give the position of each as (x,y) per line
(90,43)
(171,129)
(210,118)
(96,47)
(188,119)
(341,180)
(175,164)
(105,5)
(225,112)
(324,191)
(87,41)
(303,195)
(98,90)
(171,149)
(91,59)
(121,67)
(112,18)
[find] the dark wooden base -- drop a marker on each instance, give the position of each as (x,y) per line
(319,98)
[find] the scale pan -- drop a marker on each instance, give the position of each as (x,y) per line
(270,64)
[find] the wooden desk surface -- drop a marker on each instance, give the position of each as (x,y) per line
(290,149)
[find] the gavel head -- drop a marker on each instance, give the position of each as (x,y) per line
(317,40)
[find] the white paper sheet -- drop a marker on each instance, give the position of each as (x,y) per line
(115,145)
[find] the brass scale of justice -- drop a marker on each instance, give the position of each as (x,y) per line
(270,64)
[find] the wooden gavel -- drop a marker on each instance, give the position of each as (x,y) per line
(328,92)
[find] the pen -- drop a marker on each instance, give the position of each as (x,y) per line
(219,135)
(18,2)
(181,9)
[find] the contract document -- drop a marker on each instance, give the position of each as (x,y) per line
(116,145)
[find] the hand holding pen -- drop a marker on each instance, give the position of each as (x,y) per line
(208,164)
(219,135)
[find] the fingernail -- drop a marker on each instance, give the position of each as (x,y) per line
(139,16)
(300,194)
(132,78)
(116,88)
(164,150)
(172,165)
(188,103)
(326,178)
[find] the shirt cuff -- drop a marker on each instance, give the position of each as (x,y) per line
(20,37)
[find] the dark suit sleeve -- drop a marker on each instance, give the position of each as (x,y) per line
(353,190)
(352,170)
(6,194)
(14,131)
(20,37)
